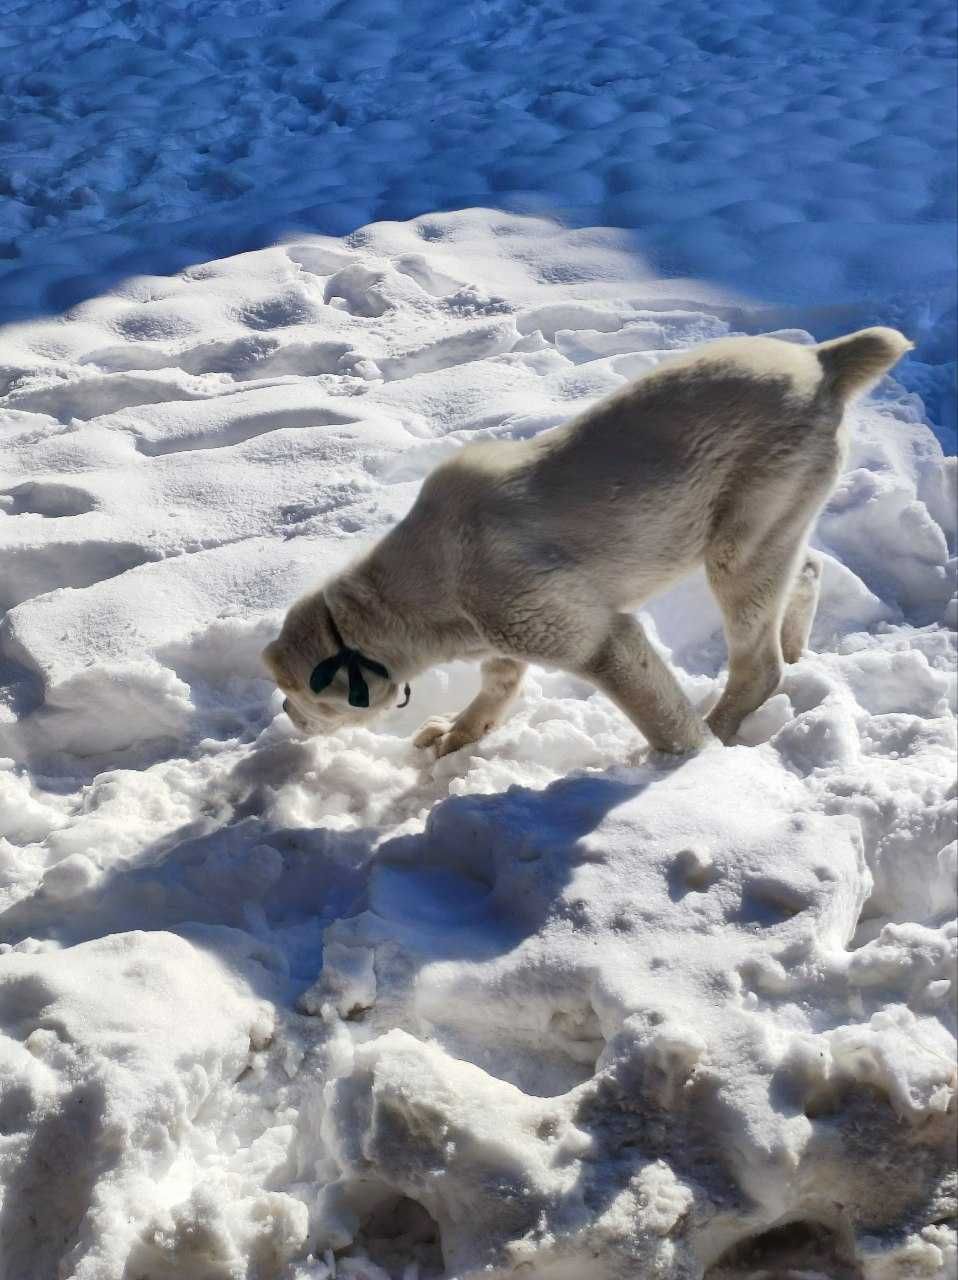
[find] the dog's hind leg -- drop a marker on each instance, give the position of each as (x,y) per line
(501,678)
(752,595)
(801,606)
(627,668)
(763,575)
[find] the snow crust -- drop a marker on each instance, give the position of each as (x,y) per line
(803,156)
(276,1007)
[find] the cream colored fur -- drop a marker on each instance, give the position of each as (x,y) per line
(538,550)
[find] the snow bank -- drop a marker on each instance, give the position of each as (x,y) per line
(275,1007)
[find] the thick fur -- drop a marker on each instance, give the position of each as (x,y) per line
(537,551)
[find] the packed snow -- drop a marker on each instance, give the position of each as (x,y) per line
(800,154)
(278,1007)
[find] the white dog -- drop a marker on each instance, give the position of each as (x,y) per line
(536,551)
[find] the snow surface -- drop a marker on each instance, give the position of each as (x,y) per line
(800,154)
(278,1007)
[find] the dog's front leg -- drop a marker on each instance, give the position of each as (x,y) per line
(501,678)
(627,668)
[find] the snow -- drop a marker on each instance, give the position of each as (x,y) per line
(284,1007)
(803,158)
(276,1008)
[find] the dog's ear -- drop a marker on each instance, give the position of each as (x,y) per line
(275,658)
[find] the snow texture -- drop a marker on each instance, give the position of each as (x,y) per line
(801,155)
(303,1008)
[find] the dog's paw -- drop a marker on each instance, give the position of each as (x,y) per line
(430,731)
(441,736)
(646,757)
(660,758)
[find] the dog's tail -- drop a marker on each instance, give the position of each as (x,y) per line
(849,364)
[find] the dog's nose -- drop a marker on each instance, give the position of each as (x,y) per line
(286,705)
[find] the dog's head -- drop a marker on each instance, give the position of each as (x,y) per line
(327,685)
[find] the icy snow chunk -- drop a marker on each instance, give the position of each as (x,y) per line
(127,1041)
(68,877)
(347,983)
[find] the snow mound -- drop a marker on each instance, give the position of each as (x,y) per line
(275,1007)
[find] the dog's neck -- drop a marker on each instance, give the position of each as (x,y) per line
(400,634)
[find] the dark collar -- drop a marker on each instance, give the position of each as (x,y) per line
(355,662)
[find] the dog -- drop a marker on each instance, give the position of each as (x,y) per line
(538,550)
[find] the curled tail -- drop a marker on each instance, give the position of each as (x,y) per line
(849,364)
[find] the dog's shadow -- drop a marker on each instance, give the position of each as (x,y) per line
(235,870)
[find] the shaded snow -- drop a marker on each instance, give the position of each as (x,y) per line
(804,157)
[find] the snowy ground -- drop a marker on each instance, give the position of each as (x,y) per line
(801,154)
(278,1007)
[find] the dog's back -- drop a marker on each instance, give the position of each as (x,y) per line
(634,490)
(709,409)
